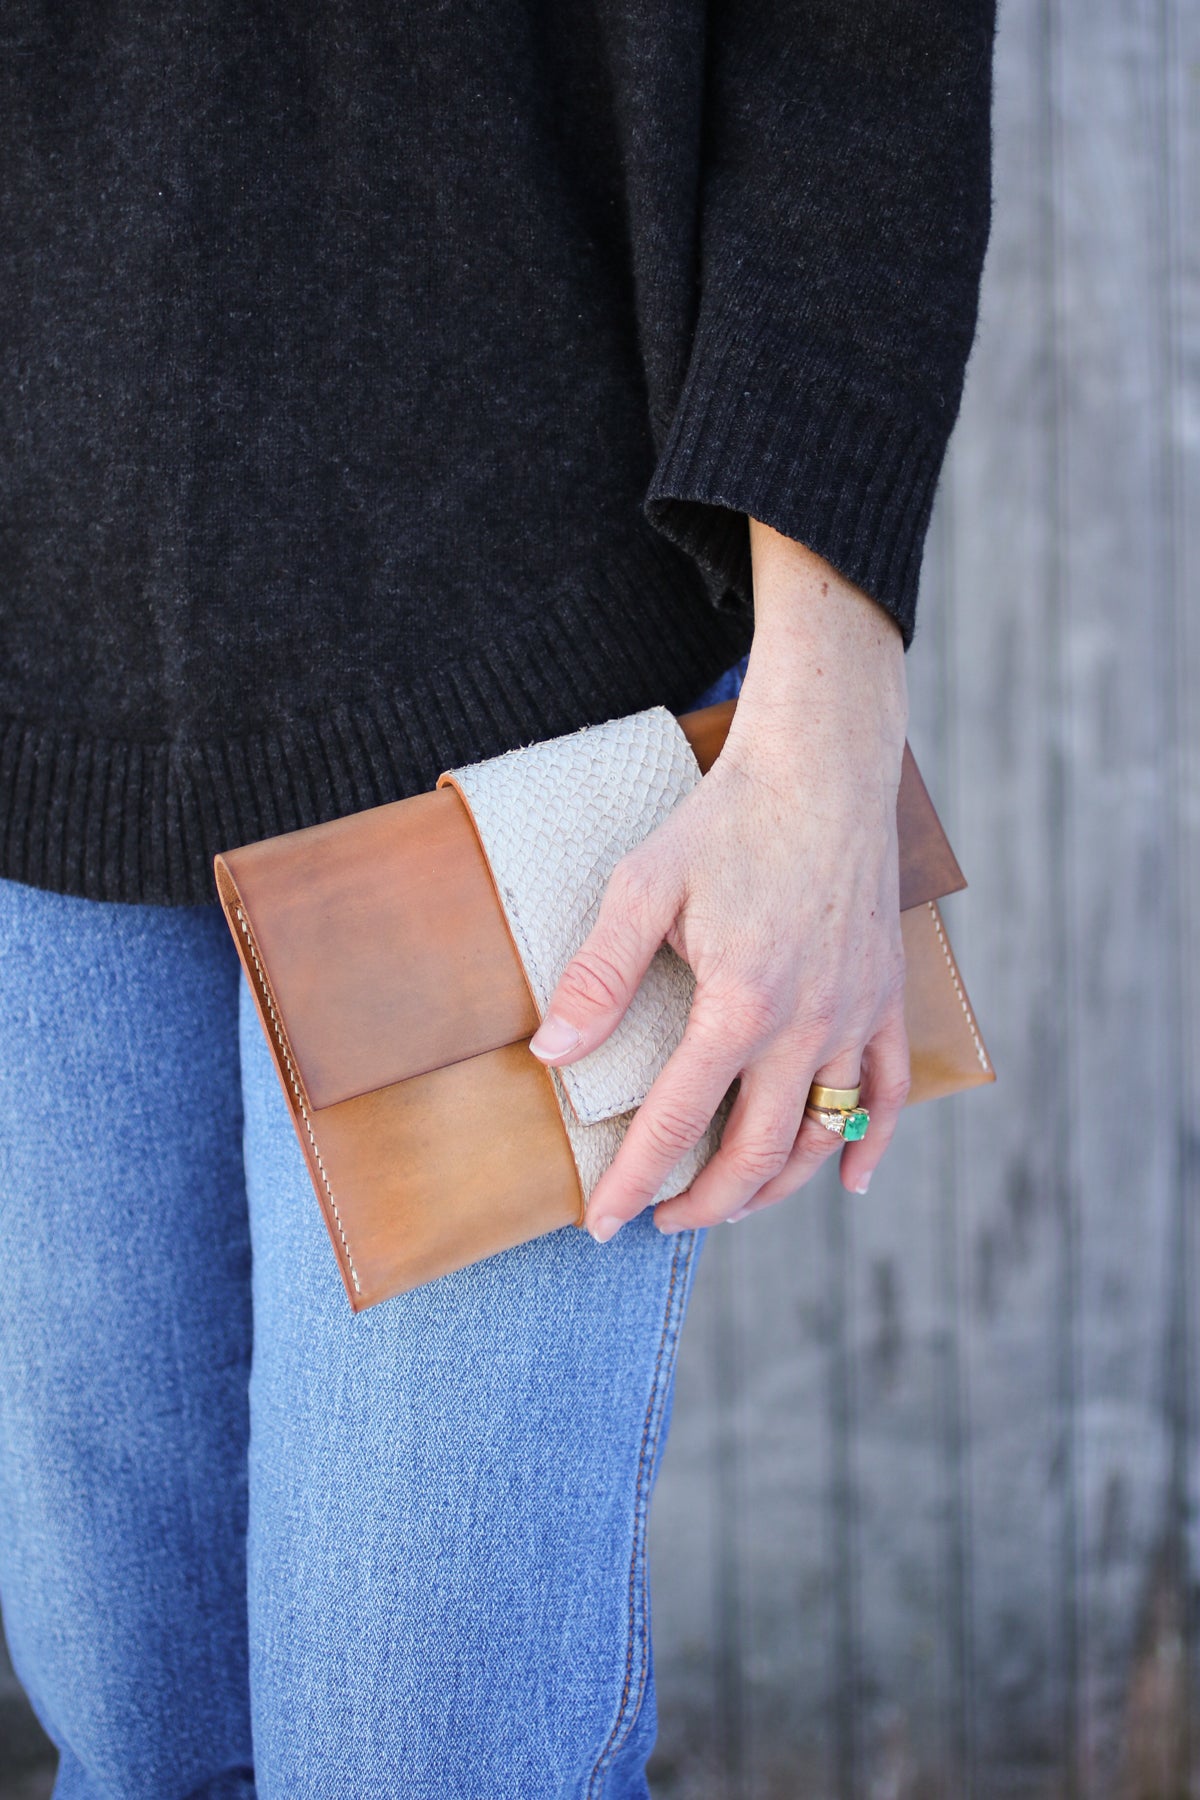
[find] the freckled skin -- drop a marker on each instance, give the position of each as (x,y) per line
(777,880)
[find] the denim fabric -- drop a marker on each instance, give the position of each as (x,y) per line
(125,1333)
(726,687)
(249,1542)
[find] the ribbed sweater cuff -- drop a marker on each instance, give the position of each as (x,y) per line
(763,434)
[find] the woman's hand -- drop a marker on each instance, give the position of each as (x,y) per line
(777,880)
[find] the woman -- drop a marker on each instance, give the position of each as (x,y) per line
(381,393)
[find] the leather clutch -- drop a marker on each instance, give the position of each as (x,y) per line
(400,959)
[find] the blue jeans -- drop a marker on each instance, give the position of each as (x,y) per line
(250,1543)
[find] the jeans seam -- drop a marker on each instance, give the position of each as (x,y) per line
(637,1562)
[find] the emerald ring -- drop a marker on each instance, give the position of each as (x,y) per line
(849,1122)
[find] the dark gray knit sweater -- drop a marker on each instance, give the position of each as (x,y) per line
(385,385)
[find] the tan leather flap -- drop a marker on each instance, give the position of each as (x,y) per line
(385,948)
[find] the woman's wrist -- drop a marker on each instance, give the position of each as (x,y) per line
(826,664)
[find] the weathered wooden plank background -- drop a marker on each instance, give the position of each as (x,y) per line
(929,1522)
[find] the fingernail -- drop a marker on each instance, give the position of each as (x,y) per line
(864,1183)
(603,1229)
(740,1214)
(554,1037)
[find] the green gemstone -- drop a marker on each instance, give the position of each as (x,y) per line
(856,1124)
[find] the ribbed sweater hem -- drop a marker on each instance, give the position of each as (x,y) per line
(758,431)
(117,820)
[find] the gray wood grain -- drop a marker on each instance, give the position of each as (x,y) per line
(1115,619)
(1004,805)
(789,1422)
(1178,114)
(997,1396)
(910,1519)
(750,1471)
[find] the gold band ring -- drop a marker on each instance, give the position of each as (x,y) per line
(837,1097)
(849,1122)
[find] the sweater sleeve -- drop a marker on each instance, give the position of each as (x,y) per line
(845,206)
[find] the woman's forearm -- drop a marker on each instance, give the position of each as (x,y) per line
(826,677)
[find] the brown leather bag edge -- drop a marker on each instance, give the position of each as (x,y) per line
(384,1039)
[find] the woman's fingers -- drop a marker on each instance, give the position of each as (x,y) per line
(885,1086)
(594,991)
(759,1139)
(814,1146)
(673,1117)
(887,1078)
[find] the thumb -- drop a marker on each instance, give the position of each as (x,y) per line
(595,988)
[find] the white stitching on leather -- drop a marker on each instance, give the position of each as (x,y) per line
(979,1049)
(266,994)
